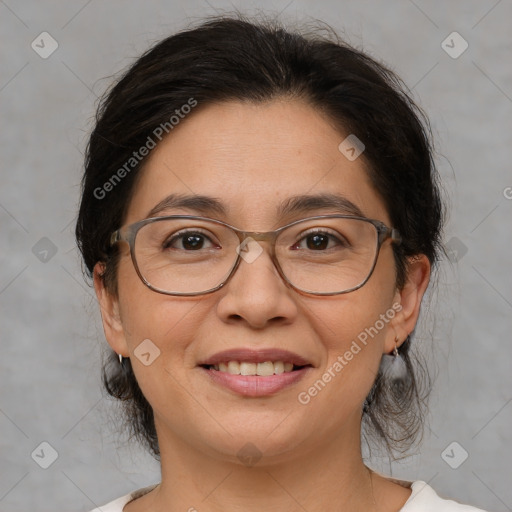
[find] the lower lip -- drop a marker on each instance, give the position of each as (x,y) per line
(256,385)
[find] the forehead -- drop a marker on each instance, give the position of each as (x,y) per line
(253,158)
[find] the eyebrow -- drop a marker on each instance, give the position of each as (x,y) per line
(308,203)
(206,205)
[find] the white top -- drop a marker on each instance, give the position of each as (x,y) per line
(422,499)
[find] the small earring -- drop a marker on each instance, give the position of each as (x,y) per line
(120,359)
(393,367)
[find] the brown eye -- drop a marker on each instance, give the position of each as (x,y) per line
(320,241)
(317,241)
(188,240)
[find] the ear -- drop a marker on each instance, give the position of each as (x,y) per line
(109,306)
(407,302)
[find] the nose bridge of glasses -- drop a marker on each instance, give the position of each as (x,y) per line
(258,236)
(254,242)
(250,240)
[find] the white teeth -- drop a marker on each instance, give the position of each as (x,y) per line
(278,367)
(266,368)
(234,367)
(248,368)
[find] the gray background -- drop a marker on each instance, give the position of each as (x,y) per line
(51,338)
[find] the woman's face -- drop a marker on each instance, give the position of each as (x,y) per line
(252,158)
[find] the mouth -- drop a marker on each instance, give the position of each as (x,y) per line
(264,369)
(255,373)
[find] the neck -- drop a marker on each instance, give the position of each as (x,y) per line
(327,477)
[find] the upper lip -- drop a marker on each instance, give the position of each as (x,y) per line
(255,356)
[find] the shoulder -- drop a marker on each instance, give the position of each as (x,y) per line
(424,499)
(118,504)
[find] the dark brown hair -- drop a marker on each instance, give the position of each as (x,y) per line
(235,58)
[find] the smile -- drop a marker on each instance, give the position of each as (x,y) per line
(265,368)
(255,373)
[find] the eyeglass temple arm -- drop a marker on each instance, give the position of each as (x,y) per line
(115,237)
(395,236)
(392,233)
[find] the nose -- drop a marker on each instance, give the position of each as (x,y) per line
(256,294)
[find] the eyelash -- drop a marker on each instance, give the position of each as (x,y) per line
(321,231)
(181,234)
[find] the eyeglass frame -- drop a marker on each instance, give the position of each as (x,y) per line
(129,233)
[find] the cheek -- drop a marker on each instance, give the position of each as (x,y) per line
(353,331)
(158,330)
(369,308)
(144,312)
(159,333)
(172,325)
(353,347)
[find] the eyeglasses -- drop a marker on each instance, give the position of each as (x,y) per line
(189,255)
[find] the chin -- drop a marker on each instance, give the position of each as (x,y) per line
(268,442)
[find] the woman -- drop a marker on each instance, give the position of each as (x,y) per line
(261,217)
